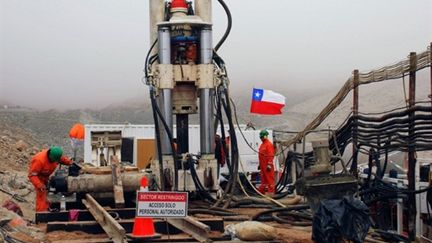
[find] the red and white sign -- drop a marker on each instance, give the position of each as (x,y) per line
(162,204)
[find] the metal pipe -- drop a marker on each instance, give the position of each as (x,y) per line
(206,46)
(411,149)
(164,48)
(206,96)
(103,183)
(165,95)
(165,105)
(206,121)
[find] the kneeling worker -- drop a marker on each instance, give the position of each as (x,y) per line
(265,156)
(42,165)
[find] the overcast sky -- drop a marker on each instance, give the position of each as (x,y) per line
(86,53)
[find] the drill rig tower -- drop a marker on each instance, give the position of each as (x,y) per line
(182,73)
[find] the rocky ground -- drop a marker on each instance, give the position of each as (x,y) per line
(17,146)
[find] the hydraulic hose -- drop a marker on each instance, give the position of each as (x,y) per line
(273,210)
(153,104)
(174,152)
(158,140)
(229,25)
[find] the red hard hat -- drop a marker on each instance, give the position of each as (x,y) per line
(179,4)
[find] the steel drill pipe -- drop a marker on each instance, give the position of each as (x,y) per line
(102,183)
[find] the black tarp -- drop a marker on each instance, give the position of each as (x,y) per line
(337,219)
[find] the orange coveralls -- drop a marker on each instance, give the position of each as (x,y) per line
(266,155)
(39,172)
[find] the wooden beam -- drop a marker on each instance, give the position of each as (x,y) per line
(87,240)
(355,110)
(411,149)
(166,239)
(111,227)
(83,215)
(193,227)
(161,226)
(117,182)
(90,227)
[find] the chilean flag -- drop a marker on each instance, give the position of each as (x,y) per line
(267,102)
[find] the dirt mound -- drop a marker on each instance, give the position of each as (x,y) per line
(17,146)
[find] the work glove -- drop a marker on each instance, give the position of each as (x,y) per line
(76,165)
(269,167)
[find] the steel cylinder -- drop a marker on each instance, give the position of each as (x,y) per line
(165,106)
(103,183)
(157,12)
(164,47)
(206,121)
(206,46)
(206,96)
(165,102)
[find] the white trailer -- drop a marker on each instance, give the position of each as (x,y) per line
(137,144)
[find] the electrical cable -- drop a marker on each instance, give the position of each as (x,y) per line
(229,25)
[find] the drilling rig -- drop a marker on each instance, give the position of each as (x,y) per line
(186,77)
(183,79)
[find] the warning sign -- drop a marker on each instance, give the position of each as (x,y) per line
(162,204)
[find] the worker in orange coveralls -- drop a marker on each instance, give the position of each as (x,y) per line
(266,155)
(42,165)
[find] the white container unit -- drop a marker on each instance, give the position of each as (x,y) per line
(91,155)
(248,157)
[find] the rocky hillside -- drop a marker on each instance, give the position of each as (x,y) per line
(51,127)
(17,146)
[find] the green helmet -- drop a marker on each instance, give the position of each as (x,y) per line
(263,133)
(55,153)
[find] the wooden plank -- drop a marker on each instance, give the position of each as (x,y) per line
(113,229)
(191,226)
(161,226)
(87,240)
(117,182)
(83,215)
(91,227)
(166,239)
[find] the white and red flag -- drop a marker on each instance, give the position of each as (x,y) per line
(266,102)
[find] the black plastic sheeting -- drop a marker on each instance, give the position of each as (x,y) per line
(337,219)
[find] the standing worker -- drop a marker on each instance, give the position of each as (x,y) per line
(266,155)
(42,165)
